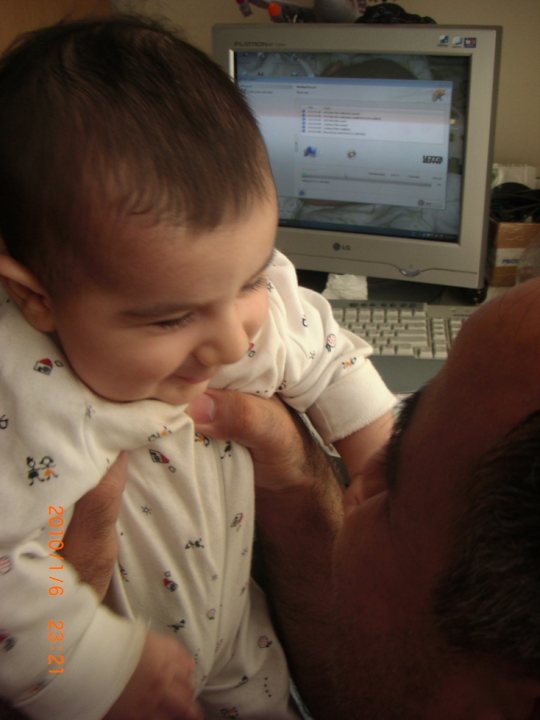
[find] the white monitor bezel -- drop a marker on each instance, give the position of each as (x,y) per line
(461,264)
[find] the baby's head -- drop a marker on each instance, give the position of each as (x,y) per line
(135,191)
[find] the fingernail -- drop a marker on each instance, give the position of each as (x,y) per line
(202,409)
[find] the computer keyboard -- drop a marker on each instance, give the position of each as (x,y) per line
(410,340)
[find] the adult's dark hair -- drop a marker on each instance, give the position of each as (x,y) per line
(488,600)
(104,119)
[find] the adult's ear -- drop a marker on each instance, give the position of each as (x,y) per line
(27,292)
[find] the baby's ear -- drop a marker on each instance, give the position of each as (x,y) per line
(26,291)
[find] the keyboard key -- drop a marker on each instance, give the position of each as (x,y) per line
(405,350)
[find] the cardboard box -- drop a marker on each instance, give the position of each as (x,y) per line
(507,242)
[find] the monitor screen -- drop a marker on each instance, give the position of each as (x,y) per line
(380,142)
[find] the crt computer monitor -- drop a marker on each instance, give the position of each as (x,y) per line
(380,139)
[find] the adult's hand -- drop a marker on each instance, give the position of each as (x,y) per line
(285,455)
(299,512)
(90,543)
(9,713)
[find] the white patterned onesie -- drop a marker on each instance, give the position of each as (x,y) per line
(186,523)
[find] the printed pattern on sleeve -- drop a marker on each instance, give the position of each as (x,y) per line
(316,366)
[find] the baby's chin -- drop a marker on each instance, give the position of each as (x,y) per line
(173,392)
(181,395)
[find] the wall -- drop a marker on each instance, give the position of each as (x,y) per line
(20,16)
(518,116)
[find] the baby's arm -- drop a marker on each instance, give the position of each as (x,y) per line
(161,683)
(95,671)
(357,448)
(66,656)
(118,668)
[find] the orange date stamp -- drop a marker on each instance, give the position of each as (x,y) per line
(55,635)
(56,627)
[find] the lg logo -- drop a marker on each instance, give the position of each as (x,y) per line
(341,246)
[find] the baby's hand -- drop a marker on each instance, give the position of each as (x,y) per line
(161,687)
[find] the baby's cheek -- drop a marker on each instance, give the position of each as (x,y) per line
(258,314)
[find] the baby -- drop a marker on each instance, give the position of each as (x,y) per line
(138,216)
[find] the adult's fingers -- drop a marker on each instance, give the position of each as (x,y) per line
(90,543)
(281,447)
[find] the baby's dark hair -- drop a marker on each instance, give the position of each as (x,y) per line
(106,119)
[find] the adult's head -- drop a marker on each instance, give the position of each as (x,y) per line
(437,572)
(114,119)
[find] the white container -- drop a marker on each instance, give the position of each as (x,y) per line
(529,263)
